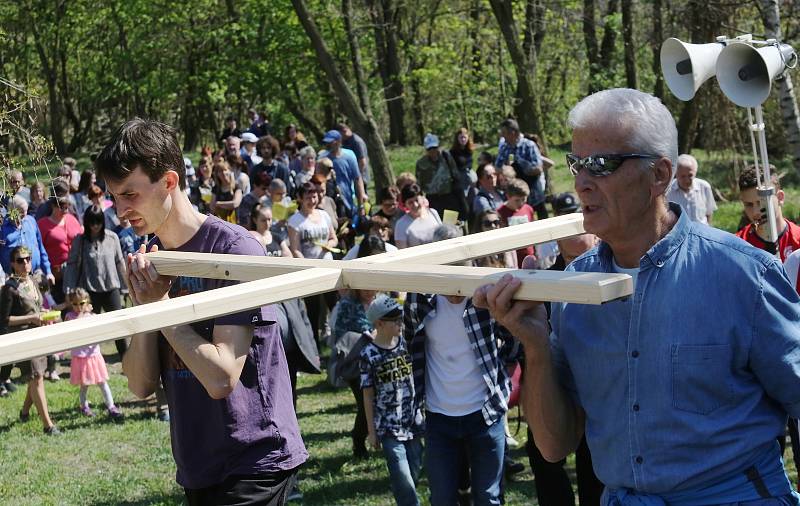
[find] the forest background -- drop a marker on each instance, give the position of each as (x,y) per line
(395,69)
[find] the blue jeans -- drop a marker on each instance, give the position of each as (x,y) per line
(444,437)
(404,459)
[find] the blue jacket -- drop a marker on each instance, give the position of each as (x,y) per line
(27,234)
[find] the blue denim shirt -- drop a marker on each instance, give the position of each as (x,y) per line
(27,234)
(687,383)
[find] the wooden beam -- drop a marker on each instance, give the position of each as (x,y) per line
(17,346)
(299,277)
(316,276)
(576,287)
(490,242)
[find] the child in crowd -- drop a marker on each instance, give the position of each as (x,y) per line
(88,366)
(393,421)
(516,211)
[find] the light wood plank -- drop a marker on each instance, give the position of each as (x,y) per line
(490,242)
(583,289)
(576,287)
(49,339)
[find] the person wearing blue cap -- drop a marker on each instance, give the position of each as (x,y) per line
(394,422)
(348,176)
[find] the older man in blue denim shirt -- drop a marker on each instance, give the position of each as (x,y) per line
(23,231)
(683,387)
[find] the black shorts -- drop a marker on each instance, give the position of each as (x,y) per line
(261,489)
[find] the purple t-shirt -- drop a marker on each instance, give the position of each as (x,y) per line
(252,431)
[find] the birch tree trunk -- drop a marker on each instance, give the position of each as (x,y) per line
(771,17)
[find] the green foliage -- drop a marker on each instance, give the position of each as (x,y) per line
(92,65)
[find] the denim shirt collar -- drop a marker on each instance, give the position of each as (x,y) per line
(659,254)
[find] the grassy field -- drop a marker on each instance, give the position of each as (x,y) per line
(96,462)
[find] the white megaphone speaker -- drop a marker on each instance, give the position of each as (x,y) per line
(687,66)
(745,73)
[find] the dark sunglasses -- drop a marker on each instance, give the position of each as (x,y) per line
(602,165)
(22,260)
(491,223)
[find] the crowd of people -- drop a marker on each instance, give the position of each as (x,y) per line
(423,367)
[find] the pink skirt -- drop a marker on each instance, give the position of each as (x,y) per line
(88,370)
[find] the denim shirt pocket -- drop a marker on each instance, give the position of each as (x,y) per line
(701,377)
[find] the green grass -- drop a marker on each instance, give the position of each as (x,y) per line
(97,462)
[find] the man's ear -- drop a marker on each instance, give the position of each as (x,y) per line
(171,179)
(781,197)
(662,175)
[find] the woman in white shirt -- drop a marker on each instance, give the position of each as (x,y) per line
(311,233)
(418,225)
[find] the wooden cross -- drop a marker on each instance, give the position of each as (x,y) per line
(267,280)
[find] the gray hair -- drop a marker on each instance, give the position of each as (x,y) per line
(649,125)
(686,159)
(277,184)
(444,232)
(19,203)
(308,151)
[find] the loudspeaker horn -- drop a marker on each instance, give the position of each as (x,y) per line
(687,66)
(745,73)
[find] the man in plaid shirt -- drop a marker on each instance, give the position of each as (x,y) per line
(461,381)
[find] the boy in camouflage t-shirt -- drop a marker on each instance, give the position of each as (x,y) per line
(392,420)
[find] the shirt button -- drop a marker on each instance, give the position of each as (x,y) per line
(636,407)
(660,263)
(639,459)
(635,353)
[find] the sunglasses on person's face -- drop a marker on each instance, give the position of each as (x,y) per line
(491,223)
(602,165)
(22,260)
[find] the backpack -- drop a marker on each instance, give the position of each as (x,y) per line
(343,365)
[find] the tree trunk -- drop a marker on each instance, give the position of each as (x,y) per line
(600,57)
(362,122)
(417,109)
(656,41)
(308,124)
(56,123)
(355,57)
(524,58)
(189,115)
(474,35)
(771,16)
(590,39)
(384,19)
(630,49)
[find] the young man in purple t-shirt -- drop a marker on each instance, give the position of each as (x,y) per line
(234,431)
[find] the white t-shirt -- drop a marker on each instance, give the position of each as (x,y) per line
(634,272)
(311,232)
(454,385)
(546,254)
(792,265)
(413,232)
(698,201)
